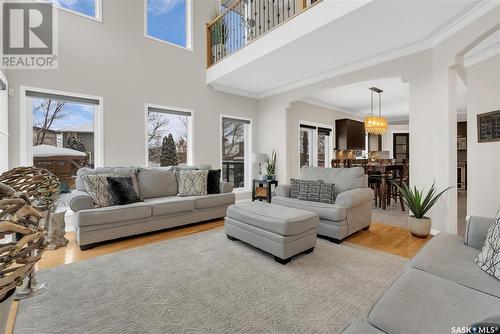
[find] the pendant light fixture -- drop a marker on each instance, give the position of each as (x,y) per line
(376,125)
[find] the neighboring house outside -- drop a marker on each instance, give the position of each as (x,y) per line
(49,139)
(84,131)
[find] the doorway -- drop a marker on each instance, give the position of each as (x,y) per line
(401,146)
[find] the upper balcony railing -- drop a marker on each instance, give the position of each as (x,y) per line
(246,20)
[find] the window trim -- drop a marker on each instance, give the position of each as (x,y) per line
(189,28)
(26,124)
(315,141)
(190,135)
(248,168)
(98,10)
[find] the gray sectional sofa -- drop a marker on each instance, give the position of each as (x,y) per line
(440,288)
(352,210)
(161,209)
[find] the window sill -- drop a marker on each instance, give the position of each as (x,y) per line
(190,49)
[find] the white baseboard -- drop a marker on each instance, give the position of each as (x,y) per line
(434,232)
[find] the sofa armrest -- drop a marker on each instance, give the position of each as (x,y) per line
(354,198)
(80,200)
(283,190)
(226,187)
(476,230)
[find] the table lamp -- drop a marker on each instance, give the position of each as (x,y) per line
(259,158)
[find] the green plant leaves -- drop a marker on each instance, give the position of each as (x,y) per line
(418,203)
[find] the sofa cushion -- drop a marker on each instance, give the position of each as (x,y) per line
(343,178)
(170,205)
(156,182)
(128,172)
(80,185)
(446,256)
(323,210)
(112,214)
(431,305)
(193,182)
(97,187)
(274,218)
(489,258)
(214,200)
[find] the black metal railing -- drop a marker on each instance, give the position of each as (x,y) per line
(246,20)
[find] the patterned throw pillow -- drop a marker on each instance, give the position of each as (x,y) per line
(327,193)
(97,187)
(489,258)
(295,188)
(304,189)
(192,182)
(313,194)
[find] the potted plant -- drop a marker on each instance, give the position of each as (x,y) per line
(219,33)
(419,203)
(271,167)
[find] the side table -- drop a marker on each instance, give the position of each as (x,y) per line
(260,183)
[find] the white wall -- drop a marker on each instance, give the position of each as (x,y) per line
(301,111)
(483,159)
(114,60)
(4,125)
(387,144)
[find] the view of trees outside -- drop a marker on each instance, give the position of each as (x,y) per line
(233,159)
(305,151)
(160,126)
(323,147)
(69,128)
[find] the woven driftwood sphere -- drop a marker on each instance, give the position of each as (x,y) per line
(39,185)
(24,193)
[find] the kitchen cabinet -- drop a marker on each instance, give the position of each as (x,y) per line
(349,134)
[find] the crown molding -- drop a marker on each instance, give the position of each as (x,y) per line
(483,55)
(462,20)
(367,62)
(234,91)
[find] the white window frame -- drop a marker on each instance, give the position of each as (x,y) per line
(190,135)
(4,126)
(98,10)
(26,123)
(314,160)
(248,167)
(189,28)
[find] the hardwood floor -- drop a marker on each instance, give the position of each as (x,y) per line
(386,238)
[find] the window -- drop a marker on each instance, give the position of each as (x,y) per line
(90,8)
(315,145)
(61,135)
(168,136)
(169,21)
(235,151)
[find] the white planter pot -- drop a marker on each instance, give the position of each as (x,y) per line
(419,228)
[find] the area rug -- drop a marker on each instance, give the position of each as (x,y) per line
(205,283)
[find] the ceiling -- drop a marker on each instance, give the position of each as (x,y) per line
(355,99)
(375,29)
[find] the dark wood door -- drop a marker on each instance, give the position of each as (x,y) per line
(401,146)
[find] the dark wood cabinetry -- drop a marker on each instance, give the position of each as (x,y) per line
(350,134)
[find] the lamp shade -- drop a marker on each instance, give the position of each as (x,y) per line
(259,158)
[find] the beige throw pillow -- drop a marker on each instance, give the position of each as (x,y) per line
(193,182)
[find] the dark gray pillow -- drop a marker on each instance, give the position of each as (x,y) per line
(123,190)
(313,194)
(295,189)
(304,189)
(327,193)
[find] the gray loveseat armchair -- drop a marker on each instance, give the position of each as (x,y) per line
(161,209)
(440,288)
(352,210)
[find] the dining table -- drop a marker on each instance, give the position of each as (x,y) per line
(382,172)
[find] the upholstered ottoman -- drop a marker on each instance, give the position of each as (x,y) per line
(279,230)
